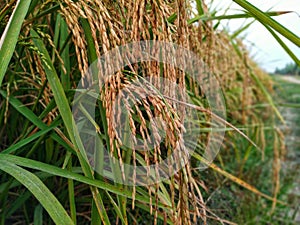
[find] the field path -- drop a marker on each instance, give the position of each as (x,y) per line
(292,141)
(290,78)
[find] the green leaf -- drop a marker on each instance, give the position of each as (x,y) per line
(67,116)
(27,113)
(38,215)
(71,193)
(284,46)
(57,89)
(265,19)
(32,164)
(199,7)
(233,16)
(239,31)
(10,36)
(18,203)
(31,138)
(39,190)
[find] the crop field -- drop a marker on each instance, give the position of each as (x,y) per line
(143,112)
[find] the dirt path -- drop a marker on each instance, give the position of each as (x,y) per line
(292,137)
(292,79)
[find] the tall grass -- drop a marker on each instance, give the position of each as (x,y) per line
(46,48)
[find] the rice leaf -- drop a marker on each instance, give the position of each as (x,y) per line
(71,194)
(10,36)
(284,46)
(66,114)
(27,113)
(38,215)
(265,19)
(199,7)
(29,139)
(32,164)
(233,16)
(39,190)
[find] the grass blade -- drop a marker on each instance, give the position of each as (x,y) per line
(71,194)
(27,113)
(10,36)
(31,138)
(284,46)
(233,16)
(32,164)
(199,7)
(267,20)
(239,31)
(67,116)
(39,190)
(38,215)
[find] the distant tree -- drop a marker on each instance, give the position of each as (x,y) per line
(290,68)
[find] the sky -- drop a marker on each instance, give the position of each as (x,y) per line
(263,47)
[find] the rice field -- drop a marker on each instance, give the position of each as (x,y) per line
(140,112)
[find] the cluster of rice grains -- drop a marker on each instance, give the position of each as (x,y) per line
(115,23)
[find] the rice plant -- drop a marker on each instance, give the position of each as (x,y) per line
(48,49)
